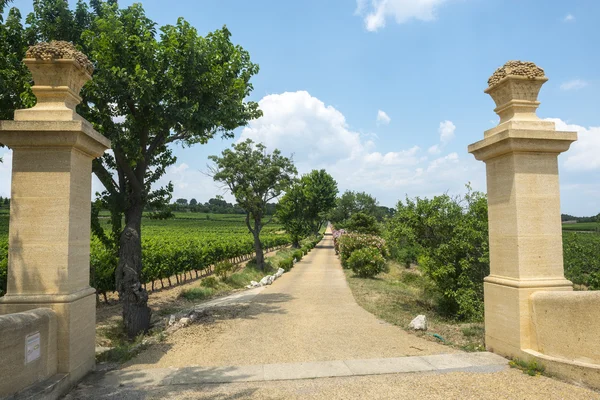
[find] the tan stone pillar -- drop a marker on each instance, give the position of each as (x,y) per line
(524,206)
(49,235)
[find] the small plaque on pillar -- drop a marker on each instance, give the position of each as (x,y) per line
(33,347)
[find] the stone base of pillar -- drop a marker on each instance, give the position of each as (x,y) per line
(76,327)
(508,329)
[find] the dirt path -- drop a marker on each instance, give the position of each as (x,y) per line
(309,314)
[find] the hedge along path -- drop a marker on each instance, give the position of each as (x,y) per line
(309,314)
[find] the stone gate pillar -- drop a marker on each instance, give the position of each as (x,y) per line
(49,234)
(525,229)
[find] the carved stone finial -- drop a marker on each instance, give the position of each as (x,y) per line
(516,68)
(58,49)
(59,72)
(514,87)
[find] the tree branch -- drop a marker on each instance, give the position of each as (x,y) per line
(131,176)
(248,223)
(105,177)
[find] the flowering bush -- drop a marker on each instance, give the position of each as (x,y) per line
(367,262)
(336,236)
(350,242)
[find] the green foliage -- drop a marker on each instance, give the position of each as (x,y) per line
(473,330)
(298,254)
(210,282)
(531,368)
(320,191)
(254,177)
(305,250)
(103,262)
(450,238)
(15,79)
(224,269)
(582,258)
(200,293)
(367,262)
(287,264)
(351,242)
(292,212)
(351,203)
(361,222)
(582,227)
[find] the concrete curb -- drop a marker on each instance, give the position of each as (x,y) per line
(483,362)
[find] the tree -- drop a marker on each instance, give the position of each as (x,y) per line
(182,202)
(320,190)
(15,79)
(350,203)
(193,202)
(292,212)
(363,223)
(254,177)
(152,87)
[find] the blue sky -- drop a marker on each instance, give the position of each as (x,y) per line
(387,94)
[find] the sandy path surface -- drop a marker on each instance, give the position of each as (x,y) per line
(309,314)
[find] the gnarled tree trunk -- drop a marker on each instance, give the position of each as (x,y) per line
(136,313)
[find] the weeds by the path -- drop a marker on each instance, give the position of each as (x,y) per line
(401,294)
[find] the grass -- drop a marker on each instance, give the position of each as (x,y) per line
(122,349)
(531,368)
(582,226)
(401,294)
(198,293)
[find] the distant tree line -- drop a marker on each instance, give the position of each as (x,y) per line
(216,205)
(567,217)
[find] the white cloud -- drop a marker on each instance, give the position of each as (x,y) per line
(574,84)
(446,131)
(583,154)
(435,149)
(569,18)
(319,137)
(377,12)
(383,118)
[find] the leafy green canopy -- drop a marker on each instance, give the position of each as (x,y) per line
(304,208)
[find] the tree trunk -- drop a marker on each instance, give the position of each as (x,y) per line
(136,313)
(260,257)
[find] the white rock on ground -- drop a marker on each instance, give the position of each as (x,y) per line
(419,323)
(185,321)
(265,281)
(270,279)
(171,320)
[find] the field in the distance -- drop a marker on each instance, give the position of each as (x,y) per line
(582,227)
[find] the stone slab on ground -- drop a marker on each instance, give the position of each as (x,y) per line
(507,384)
(476,362)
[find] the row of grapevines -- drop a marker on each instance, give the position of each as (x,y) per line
(169,248)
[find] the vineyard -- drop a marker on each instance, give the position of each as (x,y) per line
(171,249)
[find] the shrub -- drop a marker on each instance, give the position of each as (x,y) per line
(305,250)
(200,293)
(287,264)
(223,269)
(297,254)
(450,237)
(351,242)
(367,262)
(209,282)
